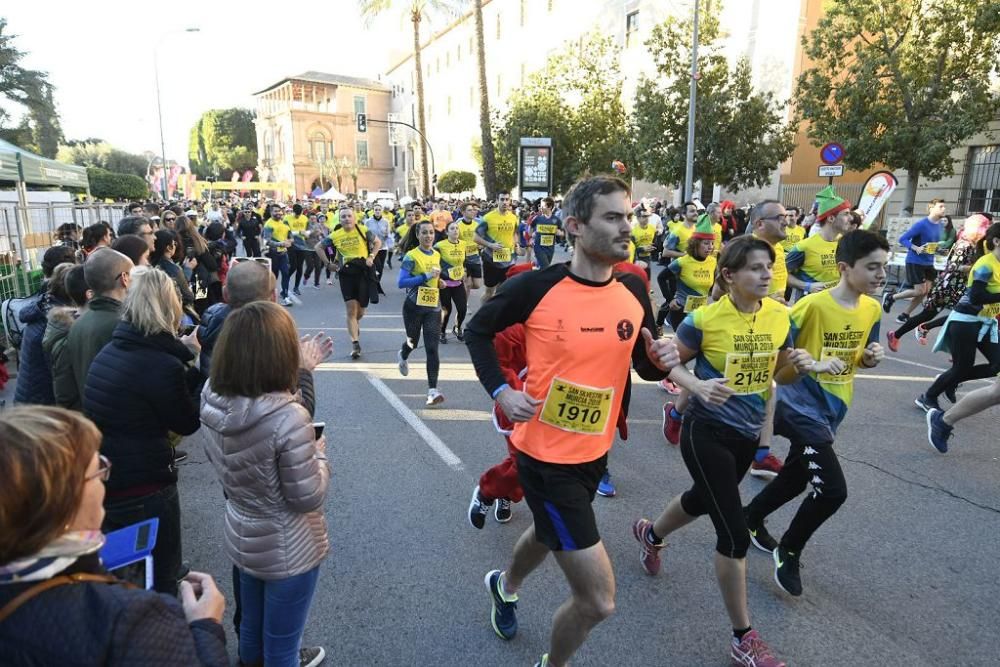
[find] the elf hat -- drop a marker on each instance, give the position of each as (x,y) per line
(830,203)
(703,230)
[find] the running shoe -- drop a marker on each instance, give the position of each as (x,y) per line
(786,571)
(938,430)
(434,397)
(892,340)
(504,614)
(316,286)
(766,469)
(751,651)
(759,535)
(649,553)
(502,512)
(668,386)
(296,292)
(671,425)
(544,662)
(403,364)
(355,349)
(287,302)
(887,301)
(312,656)
(444,338)
(605,487)
(926,403)
(459,333)
(921,334)
(180,456)
(329,281)
(902,318)
(478,509)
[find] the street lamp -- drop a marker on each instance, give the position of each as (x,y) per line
(159,108)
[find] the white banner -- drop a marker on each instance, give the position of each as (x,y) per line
(875,193)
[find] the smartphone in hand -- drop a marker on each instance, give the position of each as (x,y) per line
(318,428)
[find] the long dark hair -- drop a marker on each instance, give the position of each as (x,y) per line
(410,241)
(161,241)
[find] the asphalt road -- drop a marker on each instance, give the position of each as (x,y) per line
(904,574)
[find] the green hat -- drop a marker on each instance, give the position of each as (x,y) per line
(830,203)
(703,230)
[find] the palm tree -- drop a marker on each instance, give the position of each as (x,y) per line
(489,157)
(416,10)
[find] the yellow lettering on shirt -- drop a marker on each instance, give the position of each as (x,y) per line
(990,310)
(546,229)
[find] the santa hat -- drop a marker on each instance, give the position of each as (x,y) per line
(704,230)
(830,203)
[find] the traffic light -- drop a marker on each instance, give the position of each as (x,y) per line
(434,180)
(362,122)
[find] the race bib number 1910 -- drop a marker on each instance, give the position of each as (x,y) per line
(502,255)
(577,408)
(750,373)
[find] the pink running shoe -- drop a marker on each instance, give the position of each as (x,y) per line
(751,651)
(892,340)
(668,386)
(671,426)
(921,333)
(766,469)
(649,554)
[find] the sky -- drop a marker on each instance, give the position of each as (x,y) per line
(99,55)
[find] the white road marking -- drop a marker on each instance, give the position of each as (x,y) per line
(914,363)
(434,442)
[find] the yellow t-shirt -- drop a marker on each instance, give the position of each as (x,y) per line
(717,232)
(452,258)
(793,234)
(350,244)
(814,260)
(779,272)
(643,236)
(277,230)
(683,234)
(467,233)
(298,224)
(417,263)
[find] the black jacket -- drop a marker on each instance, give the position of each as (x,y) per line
(211,326)
(138,389)
(85,624)
(34,375)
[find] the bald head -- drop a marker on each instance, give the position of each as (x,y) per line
(248,282)
(103,270)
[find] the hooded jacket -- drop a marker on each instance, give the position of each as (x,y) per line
(60,321)
(264,452)
(34,376)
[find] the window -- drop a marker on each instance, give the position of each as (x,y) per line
(498,25)
(631,28)
(318,148)
(982,180)
(362,147)
(395,156)
(524,12)
(359,105)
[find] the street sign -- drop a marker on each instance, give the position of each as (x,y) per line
(362,122)
(831,170)
(831,153)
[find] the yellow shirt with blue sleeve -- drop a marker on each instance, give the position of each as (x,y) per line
(276,231)
(814,260)
(452,260)
(417,262)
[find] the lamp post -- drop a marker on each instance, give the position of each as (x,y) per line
(692,104)
(159,107)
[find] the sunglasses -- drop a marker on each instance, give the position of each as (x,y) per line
(170,218)
(266,261)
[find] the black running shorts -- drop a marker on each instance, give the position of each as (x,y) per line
(560,496)
(917,274)
(354,287)
(474,269)
(493,275)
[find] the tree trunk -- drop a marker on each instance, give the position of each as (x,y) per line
(910,194)
(421,119)
(489,157)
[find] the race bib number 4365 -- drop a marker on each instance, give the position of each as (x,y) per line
(577,408)
(750,373)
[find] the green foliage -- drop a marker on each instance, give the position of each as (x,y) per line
(101,154)
(740,135)
(223,140)
(576,101)
(455,182)
(38,130)
(109,185)
(902,87)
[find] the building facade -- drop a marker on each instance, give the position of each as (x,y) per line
(307,132)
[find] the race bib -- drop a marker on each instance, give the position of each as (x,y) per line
(546,229)
(502,256)
(750,373)
(990,310)
(693,303)
(848,355)
(576,408)
(428,296)
(930,248)
(546,240)
(456,272)
(471,249)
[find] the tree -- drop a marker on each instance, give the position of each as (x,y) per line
(38,129)
(101,154)
(341,166)
(109,185)
(902,86)
(223,141)
(454,182)
(416,11)
(354,170)
(740,133)
(486,149)
(576,101)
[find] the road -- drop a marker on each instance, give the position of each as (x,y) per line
(904,574)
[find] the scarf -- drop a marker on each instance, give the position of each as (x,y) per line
(53,558)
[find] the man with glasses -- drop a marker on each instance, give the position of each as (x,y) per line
(496,236)
(139,227)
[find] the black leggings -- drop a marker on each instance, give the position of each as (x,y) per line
(717,457)
(963,343)
(296,259)
(925,315)
(457,295)
(313,267)
(814,464)
(417,319)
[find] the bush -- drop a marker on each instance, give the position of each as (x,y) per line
(110,185)
(454,182)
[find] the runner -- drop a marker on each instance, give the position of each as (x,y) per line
(276,238)
(353,249)
(467,227)
(794,232)
(694,274)
(940,425)
(740,343)
(674,247)
(452,251)
(582,326)
(921,241)
(972,325)
(812,263)
(642,236)
(547,231)
(496,236)
(840,327)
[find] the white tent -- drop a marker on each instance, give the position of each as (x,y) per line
(332,194)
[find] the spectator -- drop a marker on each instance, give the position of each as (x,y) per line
(140,227)
(59,323)
(95,236)
(206,271)
(167,252)
(34,375)
(145,352)
(273,470)
(134,247)
(107,273)
(50,519)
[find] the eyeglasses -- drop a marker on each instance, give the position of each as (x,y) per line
(103,469)
(266,261)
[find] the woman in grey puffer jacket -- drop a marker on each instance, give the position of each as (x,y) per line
(273,470)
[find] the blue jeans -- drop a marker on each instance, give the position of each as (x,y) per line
(279,265)
(274,614)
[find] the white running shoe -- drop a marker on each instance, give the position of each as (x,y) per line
(434,397)
(287,302)
(404,365)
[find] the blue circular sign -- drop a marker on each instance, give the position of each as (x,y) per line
(831,153)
